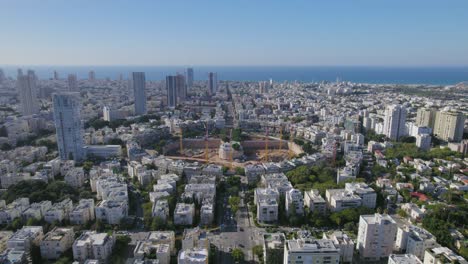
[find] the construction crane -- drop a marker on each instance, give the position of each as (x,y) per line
(266,146)
(231,152)
(290,152)
(206,144)
(281,138)
(181,144)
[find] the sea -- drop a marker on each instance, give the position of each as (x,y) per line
(359,74)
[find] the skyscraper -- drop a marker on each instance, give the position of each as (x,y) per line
(171,87)
(27,92)
(72,83)
(56,75)
(2,76)
(212,83)
(264,87)
(426,117)
(189,77)
(91,76)
(449,126)
(139,92)
(181,88)
(394,122)
(67,119)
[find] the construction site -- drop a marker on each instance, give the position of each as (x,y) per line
(213,150)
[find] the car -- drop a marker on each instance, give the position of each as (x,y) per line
(240,245)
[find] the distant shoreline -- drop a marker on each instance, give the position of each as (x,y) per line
(411,75)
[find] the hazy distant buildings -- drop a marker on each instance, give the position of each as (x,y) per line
(189,77)
(181,87)
(68,125)
(171,88)
(264,87)
(56,75)
(212,83)
(139,91)
(27,92)
(91,76)
(72,83)
(394,121)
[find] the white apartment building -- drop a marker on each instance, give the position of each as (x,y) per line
(340,199)
(92,245)
(253,172)
(37,210)
(367,194)
(423,141)
(193,256)
(83,212)
(343,242)
(403,259)
(56,242)
(318,251)
(414,240)
(266,200)
(442,255)
(59,211)
(206,214)
(24,238)
(294,202)
(184,213)
(111,212)
(394,121)
(75,177)
(9,212)
(376,236)
(315,202)
(161,210)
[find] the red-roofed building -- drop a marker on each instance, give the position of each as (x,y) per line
(421,196)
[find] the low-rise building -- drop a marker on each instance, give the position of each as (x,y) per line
(441,255)
(161,210)
(340,199)
(414,240)
(319,251)
(92,245)
(344,243)
(367,194)
(111,211)
(193,256)
(24,238)
(403,259)
(294,202)
(315,202)
(59,211)
(83,212)
(56,242)
(184,213)
(266,200)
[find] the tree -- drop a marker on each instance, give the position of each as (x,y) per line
(257,250)
(240,171)
(237,255)
(234,202)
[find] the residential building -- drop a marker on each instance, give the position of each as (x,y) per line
(193,256)
(139,92)
(394,121)
(442,255)
(294,202)
(72,83)
(403,259)
(376,236)
(449,126)
(318,251)
(266,200)
(27,93)
(171,89)
(367,194)
(340,199)
(184,213)
(92,245)
(111,211)
(315,202)
(56,242)
(25,237)
(414,240)
(68,126)
(83,212)
(423,141)
(426,117)
(343,242)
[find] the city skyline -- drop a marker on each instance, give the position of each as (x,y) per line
(397,33)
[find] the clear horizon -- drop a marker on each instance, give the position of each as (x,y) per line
(242,33)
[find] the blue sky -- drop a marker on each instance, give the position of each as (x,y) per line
(236,32)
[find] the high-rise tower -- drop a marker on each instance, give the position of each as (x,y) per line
(139,92)
(27,92)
